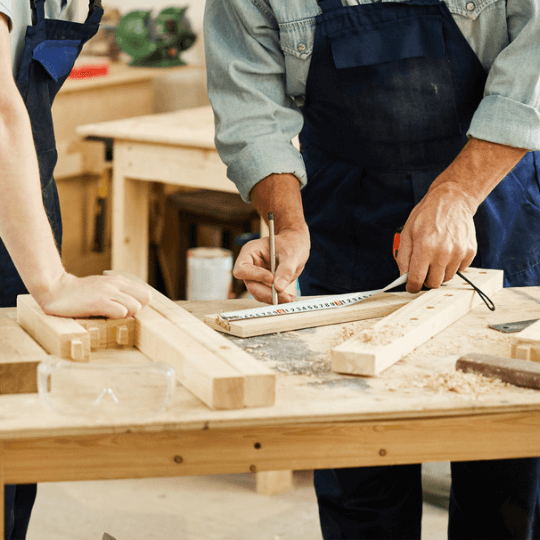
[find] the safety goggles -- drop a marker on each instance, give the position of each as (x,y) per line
(103,388)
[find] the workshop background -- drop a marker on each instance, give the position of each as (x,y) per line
(195,508)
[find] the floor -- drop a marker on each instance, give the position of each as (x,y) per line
(219,507)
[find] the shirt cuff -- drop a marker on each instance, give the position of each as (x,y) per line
(261,159)
(8,15)
(504,121)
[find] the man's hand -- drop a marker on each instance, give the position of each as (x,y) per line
(279,194)
(115,297)
(253,265)
(439,237)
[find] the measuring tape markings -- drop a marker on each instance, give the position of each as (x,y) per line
(301,306)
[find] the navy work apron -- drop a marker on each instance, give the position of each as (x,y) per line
(51,47)
(390,95)
(391,91)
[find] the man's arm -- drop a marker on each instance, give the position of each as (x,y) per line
(439,237)
(25,229)
(255,124)
(280,194)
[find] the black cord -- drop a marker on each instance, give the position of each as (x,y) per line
(483,295)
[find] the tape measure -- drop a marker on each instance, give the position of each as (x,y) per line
(303,306)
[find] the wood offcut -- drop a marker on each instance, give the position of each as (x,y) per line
(369,353)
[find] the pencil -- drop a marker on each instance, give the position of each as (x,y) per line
(272,254)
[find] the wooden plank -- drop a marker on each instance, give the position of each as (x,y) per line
(19,358)
(130,453)
(260,381)
(379,305)
(370,352)
(54,334)
(203,373)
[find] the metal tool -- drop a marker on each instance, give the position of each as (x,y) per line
(511,327)
(302,306)
(155,42)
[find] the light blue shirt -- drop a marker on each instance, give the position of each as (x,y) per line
(258,54)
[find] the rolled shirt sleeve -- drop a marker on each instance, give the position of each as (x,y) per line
(510,111)
(5,8)
(256,120)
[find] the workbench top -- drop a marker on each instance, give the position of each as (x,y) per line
(187,127)
(423,384)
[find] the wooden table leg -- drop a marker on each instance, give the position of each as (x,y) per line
(130,218)
(274,482)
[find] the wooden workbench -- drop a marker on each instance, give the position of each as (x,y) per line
(174,148)
(320,419)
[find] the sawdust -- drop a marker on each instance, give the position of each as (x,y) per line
(371,337)
(469,385)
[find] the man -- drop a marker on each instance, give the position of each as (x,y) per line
(419,113)
(30,225)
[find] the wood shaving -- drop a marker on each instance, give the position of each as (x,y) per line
(458,382)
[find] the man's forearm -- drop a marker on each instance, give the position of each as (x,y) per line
(477,170)
(280,194)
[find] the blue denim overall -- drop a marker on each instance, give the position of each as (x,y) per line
(51,47)
(391,91)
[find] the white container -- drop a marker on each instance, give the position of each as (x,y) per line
(209,273)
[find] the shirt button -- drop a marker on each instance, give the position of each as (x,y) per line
(470,6)
(301,47)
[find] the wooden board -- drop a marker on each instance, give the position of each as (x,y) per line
(204,374)
(526,344)
(19,358)
(369,353)
(379,305)
(260,381)
(60,336)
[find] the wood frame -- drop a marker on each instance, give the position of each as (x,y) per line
(213,369)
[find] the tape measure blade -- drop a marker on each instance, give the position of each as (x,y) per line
(301,306)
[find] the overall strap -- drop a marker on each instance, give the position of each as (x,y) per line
(328,5)
(38,11)
(95,12)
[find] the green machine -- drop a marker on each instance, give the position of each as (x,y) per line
(158,41)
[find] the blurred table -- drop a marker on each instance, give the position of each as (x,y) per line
(125,92)
(174,148)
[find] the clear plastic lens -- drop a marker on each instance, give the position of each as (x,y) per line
(86,389)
